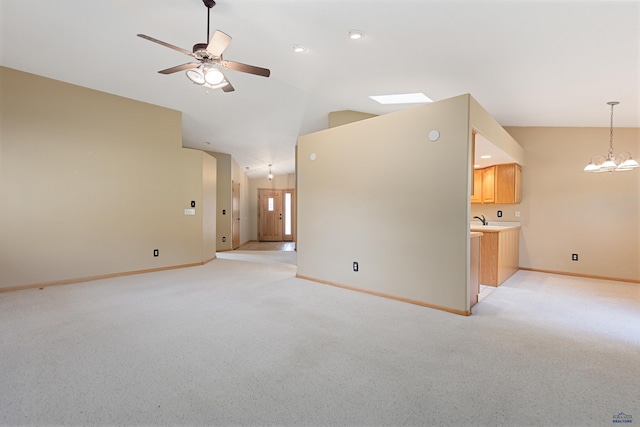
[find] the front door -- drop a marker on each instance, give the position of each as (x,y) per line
(270,215)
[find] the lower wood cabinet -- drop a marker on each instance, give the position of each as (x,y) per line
(474,268)
(499,255)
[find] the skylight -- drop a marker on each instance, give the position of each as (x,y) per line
(403,98)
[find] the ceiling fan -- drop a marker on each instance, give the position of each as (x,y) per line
(206,71)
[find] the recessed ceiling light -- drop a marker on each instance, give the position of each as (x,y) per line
(298,48)
(403,98)
(355,34)
(485,157)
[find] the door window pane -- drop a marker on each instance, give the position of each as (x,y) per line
(287,214)
(270,207)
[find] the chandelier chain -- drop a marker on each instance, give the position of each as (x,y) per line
(611,130)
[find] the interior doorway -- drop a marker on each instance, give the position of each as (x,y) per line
(276,215)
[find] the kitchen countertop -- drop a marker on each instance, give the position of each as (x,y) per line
(492,228)
(475,234)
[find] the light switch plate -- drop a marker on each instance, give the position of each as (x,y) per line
(189,211)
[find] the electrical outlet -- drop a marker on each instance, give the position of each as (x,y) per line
(224,239)
(517,214)
(355,266)
(574,257)
(156,252)
(499,214)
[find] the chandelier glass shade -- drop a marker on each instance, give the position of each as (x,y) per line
(612,162)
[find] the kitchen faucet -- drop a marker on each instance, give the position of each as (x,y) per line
(484,221)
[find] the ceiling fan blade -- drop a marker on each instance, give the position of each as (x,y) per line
(238,66)
(182,67)
(218,43)
(170,46)
(228,87)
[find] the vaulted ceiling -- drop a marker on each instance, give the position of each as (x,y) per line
(529,63)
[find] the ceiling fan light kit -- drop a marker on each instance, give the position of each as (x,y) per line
(213,76)
(196,76)
(206,71)
(612,163)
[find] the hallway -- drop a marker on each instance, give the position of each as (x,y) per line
(268,246)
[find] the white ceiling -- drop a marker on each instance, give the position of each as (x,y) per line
(483,148)
(528,63)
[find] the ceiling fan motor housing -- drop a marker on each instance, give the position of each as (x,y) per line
(201,48)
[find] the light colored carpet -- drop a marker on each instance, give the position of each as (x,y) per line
(241,341)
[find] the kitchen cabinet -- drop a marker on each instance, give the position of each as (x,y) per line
(499,184)
(488,184)
(499,253)
(508,183)
(476,197)
(474,267)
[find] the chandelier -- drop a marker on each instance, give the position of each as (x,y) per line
(610,163)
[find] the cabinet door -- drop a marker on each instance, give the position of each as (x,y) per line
(476,197)
(508,183)
(488,185)
(518,184)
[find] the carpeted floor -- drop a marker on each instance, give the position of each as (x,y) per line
(241,341)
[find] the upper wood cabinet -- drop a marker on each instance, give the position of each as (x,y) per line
(476,197)
(489,184)
(499,184)
(508,183)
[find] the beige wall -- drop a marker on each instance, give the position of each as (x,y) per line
(339,118)
(223,201)
(229,171)
(238,175)
(208,210)
(282,182)
(91,184)
(565,210)
(380,194)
